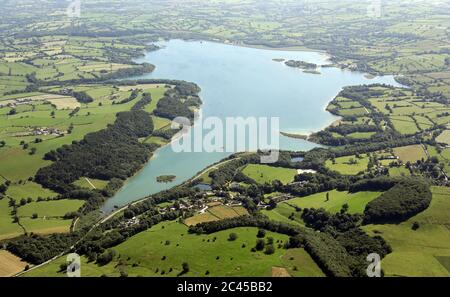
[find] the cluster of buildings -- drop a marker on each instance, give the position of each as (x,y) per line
(15,102)
(46,131)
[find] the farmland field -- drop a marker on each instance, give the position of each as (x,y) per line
(286,211)
(8,228)
(420,252)
(266,174)
(11,264)
(404,125)
(444,137)
(410,153)
(356,201)
(45,226)
(399,171)
(56,208)
(169,247)
(29,190)
(299,264)
(350,165)
(40,125)
(216,213)
(91,183)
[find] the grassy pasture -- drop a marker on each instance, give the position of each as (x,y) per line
(344,165)
(404,125)
(49,209)
(143,87)
(349,104)
(360,111)
(216,213)
(410,153)
(157,94)
(225,212)
(160,123)
(64,102)
(155,140)
(29,190)
(8,229)
(18,164)
(444,137)
(424,252)
(286,211)
(356,201)
(266,174)
(443,156)
(399,171)
(363,135)
(300,264)
(45,226)
(91,183)
(167,245)
(200,218)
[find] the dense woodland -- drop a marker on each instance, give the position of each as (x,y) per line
(111,153)
(401,202)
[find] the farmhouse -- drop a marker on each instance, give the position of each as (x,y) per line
(47,131)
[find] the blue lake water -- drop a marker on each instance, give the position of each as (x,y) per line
(240,82)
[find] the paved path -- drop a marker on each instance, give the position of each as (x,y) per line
(89,182)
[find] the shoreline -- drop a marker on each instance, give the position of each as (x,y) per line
(328,56)
(181,133)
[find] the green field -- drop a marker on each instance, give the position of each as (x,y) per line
(425,251)
(160,122)
(49,209)
(48,118)
(267,174)
(404,125)
(356,201)
(29,190)
(410,153)
(361,135)
(220,257)
(399,171)
(286,211)
(91,183)
(45,226)
(350,165)
(8,229)
(299,264)
(216,213)
(444,137)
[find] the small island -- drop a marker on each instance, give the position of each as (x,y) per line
(279,60)
(166,178)
(311,71)
(301,64)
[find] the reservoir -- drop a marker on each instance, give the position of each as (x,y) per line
(240,82)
